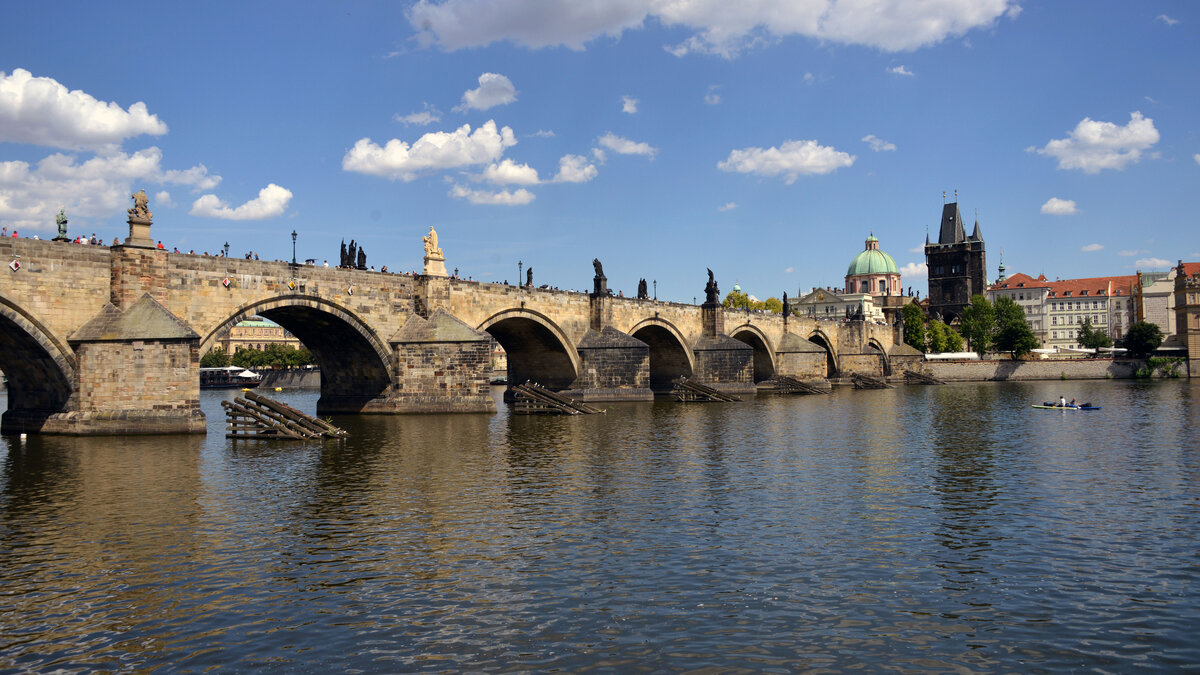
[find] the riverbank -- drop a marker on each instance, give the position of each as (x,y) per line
(1048,369)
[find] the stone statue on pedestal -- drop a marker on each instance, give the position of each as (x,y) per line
(61,221)
(435,260)
(599,282)
(431,244)
(141,208)
(362,258)
(643,293)
(712,295)
(529,277)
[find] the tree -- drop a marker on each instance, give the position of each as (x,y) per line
(914,325)
(937,337)
(978,324)
(215,358)
(1093,338)
(775,305)
(736,300)
(954,341)
(1013,333)
(1143,338)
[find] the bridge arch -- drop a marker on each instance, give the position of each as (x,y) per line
(884,363)
(670,354)
(39,367)
(355,364)
(764,353)
(538,350)
(820,339)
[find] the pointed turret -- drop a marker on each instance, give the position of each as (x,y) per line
(976,235)
(952,228)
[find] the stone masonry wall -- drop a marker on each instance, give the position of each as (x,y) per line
(1041,369)
(443,377)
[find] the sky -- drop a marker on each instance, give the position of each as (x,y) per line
(764,140)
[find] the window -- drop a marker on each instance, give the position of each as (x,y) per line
(882,286)
(1054,335)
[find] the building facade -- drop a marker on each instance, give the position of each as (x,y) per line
(957,266)
(1187,313)
(873,272)
(1031,296)
(256,333)
(1107,301)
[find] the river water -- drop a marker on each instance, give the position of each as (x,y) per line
(922,529)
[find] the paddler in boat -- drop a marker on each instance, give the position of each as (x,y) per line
(1062,401)
(1073,404)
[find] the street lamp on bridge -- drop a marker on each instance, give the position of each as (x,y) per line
(226,249)
(293,247)
(656,289)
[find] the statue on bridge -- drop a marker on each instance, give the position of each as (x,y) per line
(141,208)
(431,244)
(712,295)
(351,254)
(787,307)
(61,221)
(529,277)
(362,258)
(643,293)
(599,282)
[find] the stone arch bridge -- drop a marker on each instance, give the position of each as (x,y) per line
(107,340)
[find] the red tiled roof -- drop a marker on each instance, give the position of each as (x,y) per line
(1101,287)
(1020,280)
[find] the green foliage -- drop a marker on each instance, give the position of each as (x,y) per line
(215,358)
(954,341)
(1165,366)
(936,337)
(978,324)
(1143,338)
(1093,338)
(274,356)
(739,300)
(914,325)
(1012,332)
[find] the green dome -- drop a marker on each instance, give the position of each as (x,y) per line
(872,261)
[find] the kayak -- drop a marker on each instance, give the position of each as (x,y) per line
(1055,406)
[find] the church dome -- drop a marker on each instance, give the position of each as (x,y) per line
(872,261)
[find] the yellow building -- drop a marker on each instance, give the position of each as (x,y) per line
(256,333)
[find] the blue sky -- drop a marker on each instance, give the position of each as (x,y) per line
(764,139)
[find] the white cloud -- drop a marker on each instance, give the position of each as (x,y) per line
(1094,146)
(1151,263)
(629,105)
(789,270)
(723,28)
(502,198)
(1166,19)
(1132,252)
(727,206)
(1196,157)
(96,188)
(494,89)
(1059,207)
(624,146)
(431,152)
(912,271)
(423,118)
(543,133)
(575,169)
(809,78)
(901,70)
(509,172)
(790,160)
(41,111)
(917,249)
(878,144)
(163,197)
(599,155)
(271,201)
(1091,248)
(712,97)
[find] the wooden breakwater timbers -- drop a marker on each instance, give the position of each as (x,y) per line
(534,399)
(261,418)
(790,385)
(686,391)
(868,382)
(913,377)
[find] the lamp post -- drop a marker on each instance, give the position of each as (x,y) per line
(520,266)
(656,289)
(293,247)
(226,249)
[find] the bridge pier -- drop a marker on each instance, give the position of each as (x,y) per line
(721,361)
(442,365)
(613,366)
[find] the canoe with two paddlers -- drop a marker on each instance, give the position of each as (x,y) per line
(1050,405)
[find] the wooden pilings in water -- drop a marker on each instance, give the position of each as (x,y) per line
(534,399)
(260,417)
(790,385)
(868,382)
(686,391)
(913,377)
